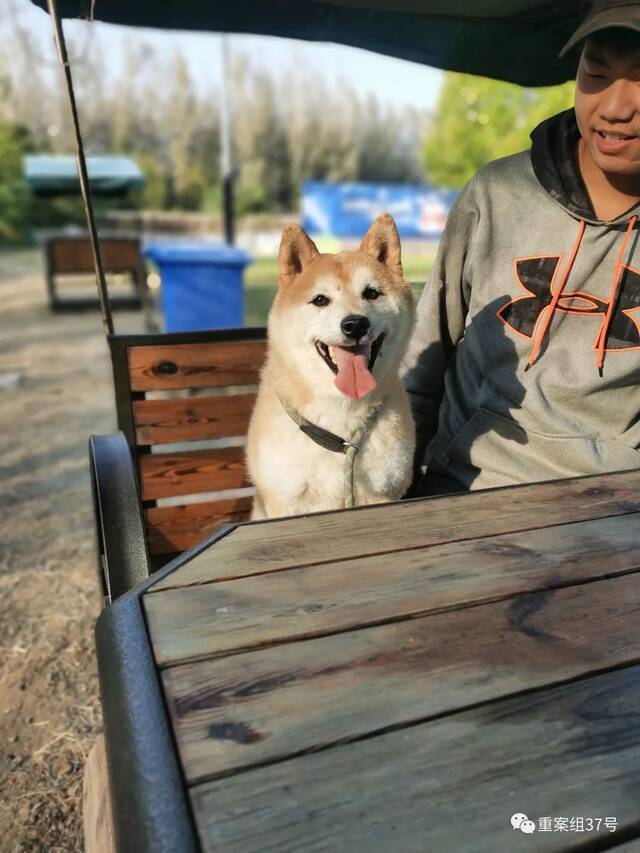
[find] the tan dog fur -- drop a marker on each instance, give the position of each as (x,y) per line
(292,473)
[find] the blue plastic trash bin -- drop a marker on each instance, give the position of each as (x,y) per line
(201,284)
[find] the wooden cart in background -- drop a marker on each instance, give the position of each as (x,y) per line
(68,255)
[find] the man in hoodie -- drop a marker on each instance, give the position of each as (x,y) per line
(525,363)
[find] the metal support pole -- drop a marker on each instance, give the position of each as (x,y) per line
(101,281)
(227,170)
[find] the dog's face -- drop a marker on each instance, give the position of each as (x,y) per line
(342,320)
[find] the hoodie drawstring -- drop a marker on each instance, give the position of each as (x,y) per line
(546,315)
(616,281)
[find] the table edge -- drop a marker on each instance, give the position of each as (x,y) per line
(186,556)
(150,805)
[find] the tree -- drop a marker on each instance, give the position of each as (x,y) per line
(15,199)
(153,195)
(152,111)
(321,129)
(478,120)
(260,138)
(388,144)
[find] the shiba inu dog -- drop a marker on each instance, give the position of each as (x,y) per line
(330,407)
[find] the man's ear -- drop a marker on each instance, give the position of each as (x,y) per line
(383,243)
(297,250)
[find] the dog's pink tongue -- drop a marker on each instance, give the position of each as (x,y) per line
(354,377)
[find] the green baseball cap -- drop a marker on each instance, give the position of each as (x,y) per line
(604,14)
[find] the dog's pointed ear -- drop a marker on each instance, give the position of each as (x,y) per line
(383,243)
(297,250)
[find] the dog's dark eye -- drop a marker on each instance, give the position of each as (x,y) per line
(370,293)
(320,300)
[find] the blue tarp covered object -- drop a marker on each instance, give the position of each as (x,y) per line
(348,209)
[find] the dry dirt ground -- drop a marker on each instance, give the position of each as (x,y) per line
(49,599)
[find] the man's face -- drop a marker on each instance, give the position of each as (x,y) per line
(608,108)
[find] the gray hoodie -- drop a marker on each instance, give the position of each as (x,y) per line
(525,363)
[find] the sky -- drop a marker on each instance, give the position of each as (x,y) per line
(394,81)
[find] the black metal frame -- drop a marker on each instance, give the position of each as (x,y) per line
(123,559)
(150,807)
(58,305)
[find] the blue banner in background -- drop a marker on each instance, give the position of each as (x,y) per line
(347,210)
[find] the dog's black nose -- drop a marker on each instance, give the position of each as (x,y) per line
(355,326)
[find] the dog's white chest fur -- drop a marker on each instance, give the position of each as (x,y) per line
(293,474)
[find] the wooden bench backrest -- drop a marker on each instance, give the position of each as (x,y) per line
(71,255)
(208,383)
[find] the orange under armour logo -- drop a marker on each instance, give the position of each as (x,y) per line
(535,276)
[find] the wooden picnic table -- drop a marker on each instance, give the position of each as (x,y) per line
(402,677)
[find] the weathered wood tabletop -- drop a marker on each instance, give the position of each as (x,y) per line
(396,678)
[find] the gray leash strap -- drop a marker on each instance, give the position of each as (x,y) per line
(333,442)
(353,447)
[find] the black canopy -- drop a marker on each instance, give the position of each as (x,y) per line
(515,40)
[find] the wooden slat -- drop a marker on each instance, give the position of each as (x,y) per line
(193,419)
(215,618)
(261,706)
(449,785)
(176,528)
(75,256)
(154,368)
(97,815)
(282,544)
(167,474)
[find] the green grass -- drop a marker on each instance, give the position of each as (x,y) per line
(261,283)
